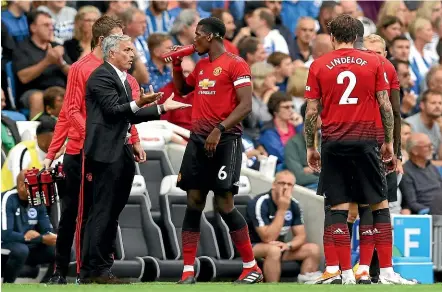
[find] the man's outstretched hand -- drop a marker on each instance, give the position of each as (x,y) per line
(170,104)
(146,98)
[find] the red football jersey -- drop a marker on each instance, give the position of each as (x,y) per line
(347,81)
(215,86)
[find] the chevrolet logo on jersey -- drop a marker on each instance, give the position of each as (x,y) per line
(206,83)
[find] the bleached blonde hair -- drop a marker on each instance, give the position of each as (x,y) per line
(374,38)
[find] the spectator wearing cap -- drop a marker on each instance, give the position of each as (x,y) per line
(28,154)
(53,98)
(15,20)
(183,29)
(295,157)
(159,72)
(63,17)
(39,62)
(26,233)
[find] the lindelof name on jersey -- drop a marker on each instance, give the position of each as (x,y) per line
(346,60)
(206,85)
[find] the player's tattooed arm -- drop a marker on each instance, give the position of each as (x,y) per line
(386,114)
(310,124)
(395,100)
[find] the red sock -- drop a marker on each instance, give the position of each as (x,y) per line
(241,240)
(190,241)
(341,238)
(366,244)
(383,239)
(331,257)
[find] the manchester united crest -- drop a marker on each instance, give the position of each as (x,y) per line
(89,176)
(217,71)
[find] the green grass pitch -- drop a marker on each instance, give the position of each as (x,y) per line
(217,287)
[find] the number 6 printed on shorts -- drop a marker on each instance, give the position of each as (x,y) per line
(345,99)
(222,175)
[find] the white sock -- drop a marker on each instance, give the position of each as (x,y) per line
(348,274)
(332,269)
(363,268)
(386,271)
(188,268)
(249,264)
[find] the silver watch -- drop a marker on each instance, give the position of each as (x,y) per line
(289,244)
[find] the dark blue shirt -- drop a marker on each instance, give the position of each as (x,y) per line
(262,210)
(17,26)
(18,218)
(158,79)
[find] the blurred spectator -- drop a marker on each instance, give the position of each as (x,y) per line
(39,63)
(296,87)
(405,135)
(114,8)
(15,20)
(10,134)
(283,68)
(8,46)
(253,151)
(183,29)
(271,216)
(352,8)
(276,133)
(431,10)
(159,72)
(438,27)
(296,158)
(251,50)
(261,23)
(134,22)
(236,8)
(321,45)
(397,9)
(434,79)
(188,4)
(27,154)
(182,117)
(227,19)
(26,233)
(275,6)
(408,98)
(329,10)
(53,98)
(264,85)
(426,120)
(80,45)
(293,10)
(243,25)
(400,48)
(305,33)
(63,17)
(421,60)
(389,28)
(158,18)
(421,184)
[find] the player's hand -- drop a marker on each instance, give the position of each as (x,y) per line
(399,167)
(47,163)
(387,152)
(282,245)
(139,153)
(314,159)
(212,141)
(176,61)
(50,239)
(170,104)
(146,98)
(31,234)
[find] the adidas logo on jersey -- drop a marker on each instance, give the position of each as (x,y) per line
(338,231)
(367,232)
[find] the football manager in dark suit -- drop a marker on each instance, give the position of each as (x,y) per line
(109,159)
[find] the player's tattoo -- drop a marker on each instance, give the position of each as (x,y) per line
(386,114)
(310,124)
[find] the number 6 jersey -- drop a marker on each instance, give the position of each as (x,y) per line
(346,81)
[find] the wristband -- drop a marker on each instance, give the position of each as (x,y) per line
(162,109)
(221,128)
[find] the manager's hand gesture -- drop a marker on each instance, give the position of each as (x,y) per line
(146,98)
(170,104)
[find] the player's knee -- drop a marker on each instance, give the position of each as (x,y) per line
(273,253)
(196,199)
(313,249)
(224,202)
(19,253)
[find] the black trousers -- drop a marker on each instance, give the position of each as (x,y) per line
(68,226)
(111,185)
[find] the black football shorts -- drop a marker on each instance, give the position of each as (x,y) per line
(219,173)
(352,172)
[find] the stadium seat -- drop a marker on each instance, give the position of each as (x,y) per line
(154,170)
(27,130)
(142,241)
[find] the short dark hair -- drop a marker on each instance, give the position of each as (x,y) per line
(248,45)
(218,13)
(360,28)
(103,27)
(344,29)
(276,58)
(46,126)
(51,94)
(33,16)
(155,40)
(397,62)
(328,5)
(213,25)
(399,38)
(275,100)
(428,92)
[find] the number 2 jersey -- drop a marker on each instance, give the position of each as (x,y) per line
(346,80)
(215,86)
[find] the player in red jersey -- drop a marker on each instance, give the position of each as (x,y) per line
(212,160)
(71,124)
(350,86)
